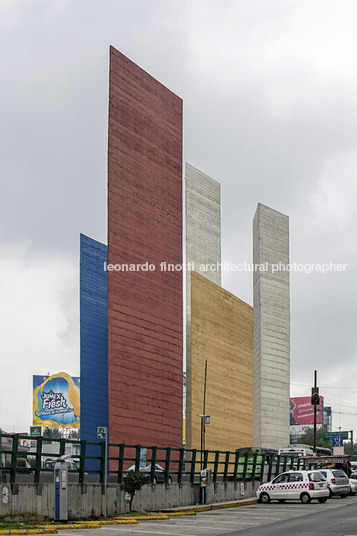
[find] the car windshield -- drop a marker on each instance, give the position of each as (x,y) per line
(316,477)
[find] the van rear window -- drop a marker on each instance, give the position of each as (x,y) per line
(316,477)
(339,474)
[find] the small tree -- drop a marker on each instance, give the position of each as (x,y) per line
(74,434)
(308,438)
(53,433)
(133,482)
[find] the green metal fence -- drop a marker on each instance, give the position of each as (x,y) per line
(180,465)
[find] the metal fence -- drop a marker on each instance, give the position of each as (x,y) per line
(180,465)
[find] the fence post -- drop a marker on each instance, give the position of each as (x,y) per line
(82,460)
(254,468)
(245,467)
(262,465)
(153,462)
(193,465)
(102,462)
(62,447)
(236,464)
(226,465)
(121,463)
(271,462)
(167,464)
(205,458)
(180,467)
(14,451)
(216,463)
(137,457)
(38,459)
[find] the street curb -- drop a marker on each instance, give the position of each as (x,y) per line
(76,526)
(233,505)
(119,522)
(207,507)
(29,531)
(190,513)
(146,518)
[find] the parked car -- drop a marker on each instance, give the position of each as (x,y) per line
(353,486)
(353,466)
(72,465)
(292,485)
(337,481)
(159,473)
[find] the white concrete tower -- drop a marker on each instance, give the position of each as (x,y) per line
(271,301)
(203,246)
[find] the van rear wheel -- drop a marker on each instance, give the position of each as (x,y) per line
(305,498)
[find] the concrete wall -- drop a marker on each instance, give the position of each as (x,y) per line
(203,246)
(145,308)
(271,329)
(87,500)
(222,333)
(94,342)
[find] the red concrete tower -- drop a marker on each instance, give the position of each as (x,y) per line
(145,308)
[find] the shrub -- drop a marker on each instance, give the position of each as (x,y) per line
(133,482)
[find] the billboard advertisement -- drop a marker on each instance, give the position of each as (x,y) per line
(56,400)
(298,430)
(302,411)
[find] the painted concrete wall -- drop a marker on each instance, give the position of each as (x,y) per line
(271,329)
(87,501)
(93,341)
(203,246)
(145,308)
(222,333)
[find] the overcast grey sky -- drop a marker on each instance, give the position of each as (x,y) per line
(269,89)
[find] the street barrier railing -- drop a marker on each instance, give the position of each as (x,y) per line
(181,465)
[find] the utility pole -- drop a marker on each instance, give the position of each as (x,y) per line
(204,408)
(351,432)
(203,418)
(315,401)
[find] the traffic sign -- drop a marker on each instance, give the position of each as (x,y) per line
(101,432)
(329,435)
(337,440)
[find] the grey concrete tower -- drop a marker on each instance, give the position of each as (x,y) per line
(203,245)
(271,301)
